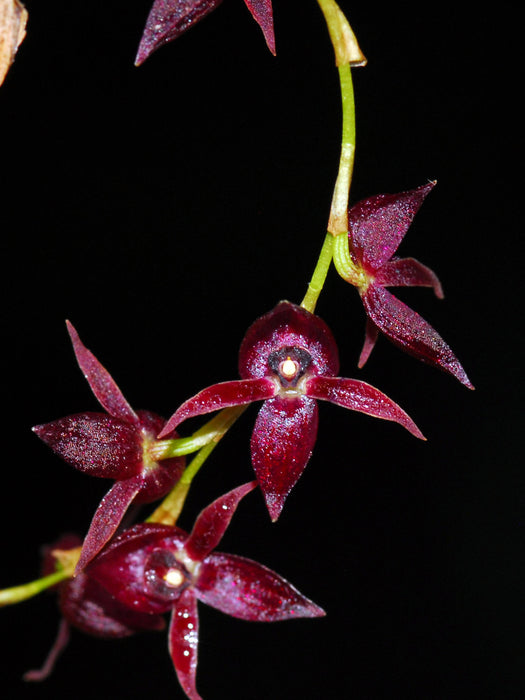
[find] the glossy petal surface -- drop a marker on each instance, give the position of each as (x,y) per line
(411,332)
(223,395)
(282,442)
(183,642)
(167,20)
(262,13)
(362,397)
(212,522)
(407,272)
(95,444)
(108,517)
(245,589)
(377,225)
(287,325)
(101,382)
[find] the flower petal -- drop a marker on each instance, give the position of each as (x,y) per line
(167,20)
(262,13)
(408,272)
(371,333)
(362,397)
(411,332)
(183,642)
(101,382)
(107,518)
(282,442)
(223,395)
(378,224)
(245,589)
(212,522)
(95,444)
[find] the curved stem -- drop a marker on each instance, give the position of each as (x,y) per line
(16,594)
(169,510)
(319,276)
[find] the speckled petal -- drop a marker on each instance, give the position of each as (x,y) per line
(263,14)
(362,397)
(183,642)
(108,517)
(167,20)
(378,224)
(212,522)
(411,332)
(95,444)
(247,590)
(101,382)
(408,272)
(223,395)
(282,442)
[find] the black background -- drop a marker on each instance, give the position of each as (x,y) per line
(162,209)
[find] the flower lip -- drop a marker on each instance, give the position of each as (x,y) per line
(289,364)
(165,577)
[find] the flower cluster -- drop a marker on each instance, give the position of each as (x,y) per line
(152,569)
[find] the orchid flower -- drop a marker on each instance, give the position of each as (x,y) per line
(112,445)
(288,359)
(376,227)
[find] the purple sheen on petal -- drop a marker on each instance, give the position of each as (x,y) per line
(247,590)
(101,382)
(107,518)
(408,272)
(223,395)
(288,325)
(212,522)
(85,604)
(167,20)
(362,397)
(121,568)
(60,643)
(371,333)
(377,225)
(183,642)
(282,442)
(262,13)
(409,331)
(95,444)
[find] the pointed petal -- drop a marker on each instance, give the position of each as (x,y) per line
(95,444)
(245,589)
(362,397)
(167,20)
(408,272)
(411,332)
(212,522)
(282,442)
(101,382)
(107,518)
(183,642)
(60,643)
(262,13)
(371,334)
(223,395)
(378,224)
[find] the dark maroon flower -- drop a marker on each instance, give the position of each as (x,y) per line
(85,604)
(376,227)
(168,19)
(288,359)
(113,446)
(154,568)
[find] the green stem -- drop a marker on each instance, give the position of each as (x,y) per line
(316,284)
(169,510)
(16,594)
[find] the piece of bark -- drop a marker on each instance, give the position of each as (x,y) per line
(13,19)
